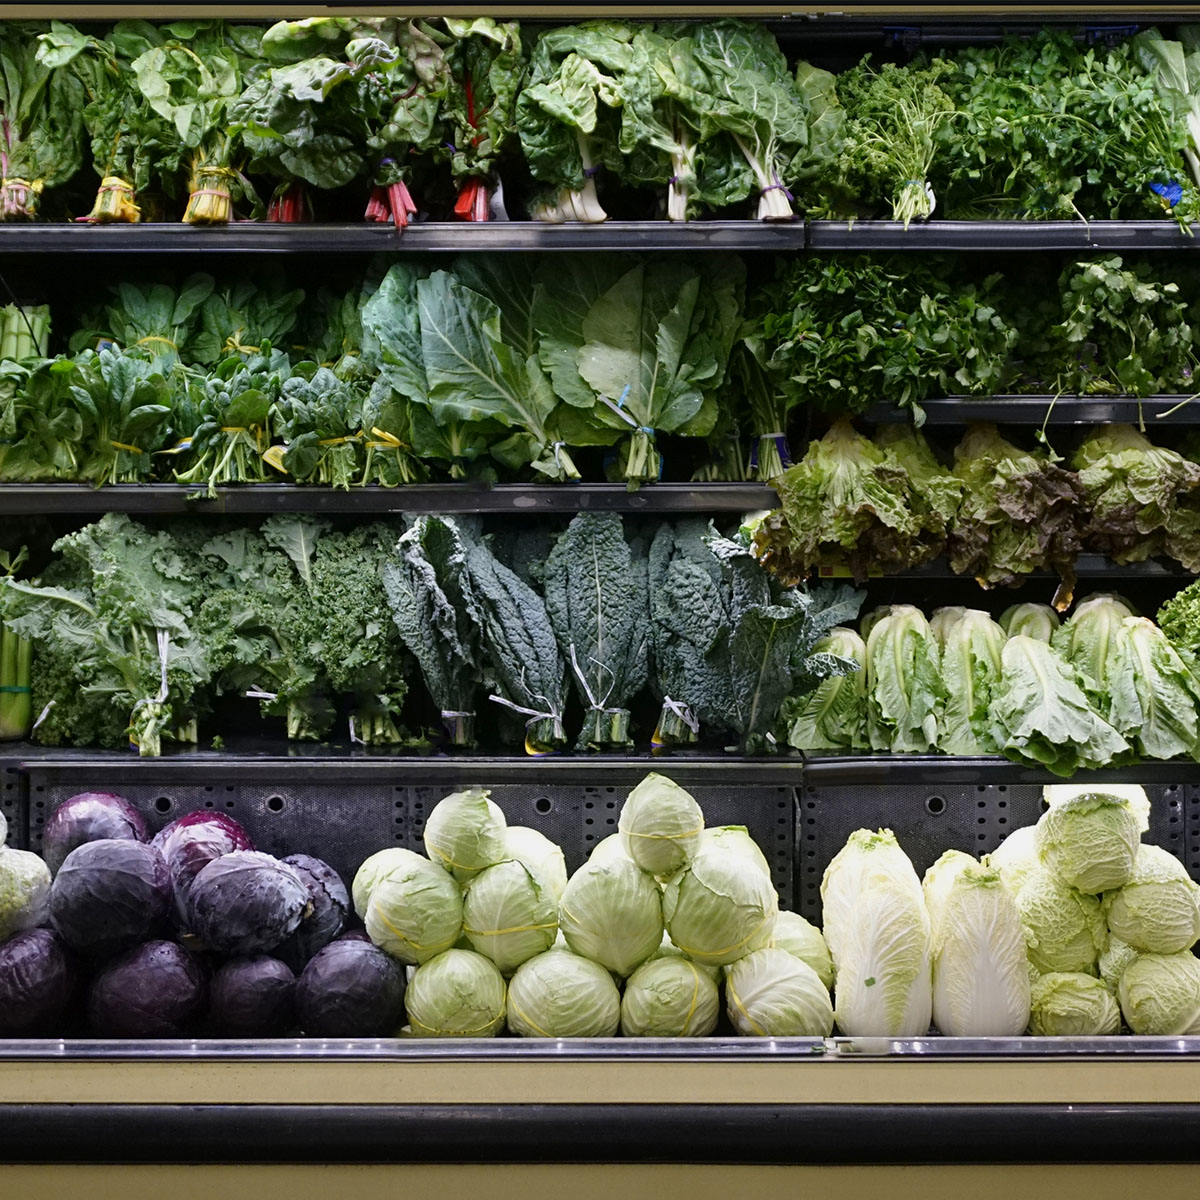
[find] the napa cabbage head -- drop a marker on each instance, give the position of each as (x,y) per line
(878,933)
(1072,1004)
(980,968)
(771,993)
(801,938)
(1158,909)
(1064,927)
(1160,994)
(1089,840)
(661,824)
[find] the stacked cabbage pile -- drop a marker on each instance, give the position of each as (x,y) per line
(640,939)
(118,934)
(1069,926)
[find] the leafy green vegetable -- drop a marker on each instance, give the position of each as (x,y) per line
(597,599)
(320,420)
(906,692)
(971,644)
(834,715)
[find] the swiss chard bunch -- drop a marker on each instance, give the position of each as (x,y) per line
(568,115)
(319,419)
(841,332)
(41,123)
(486,68)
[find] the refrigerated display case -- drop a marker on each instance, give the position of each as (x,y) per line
(926,1117)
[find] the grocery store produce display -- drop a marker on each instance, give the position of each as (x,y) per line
(1072,925)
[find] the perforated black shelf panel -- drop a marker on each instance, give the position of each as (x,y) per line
(12,803)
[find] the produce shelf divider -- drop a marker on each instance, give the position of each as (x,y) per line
(1033,410)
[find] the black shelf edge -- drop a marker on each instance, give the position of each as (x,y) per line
(252,237)
(833,770)
(1087,566)
(791,1134)
(21,499)
(322,764)
(1030,409)
(998,235)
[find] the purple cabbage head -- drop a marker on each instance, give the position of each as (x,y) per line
(246,903)
(252,997)
(189,844)
(89,817)
(38,981)
(330,905)
(155,990)
(350,989)
(109,895)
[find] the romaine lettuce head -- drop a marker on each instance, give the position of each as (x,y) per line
(1158,910)
(661,825)
(877,929)
(669,997)
(720,907)
(1090,636)
(1072,1004)
(801,938)
(509,915)
(465,833)
(1030,620)
(611,912)
(905,688)
(1116,957)
(456,994)
(980,968)
(563,995)
(1016,858)
(415,911)
(771,993)
(972,644)
(833,716)
(1160,994)
(1064,927)
(1090,841)
(24,891)
(1156,694)
(543,858)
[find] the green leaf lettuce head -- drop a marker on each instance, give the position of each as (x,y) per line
(1160,994)
(1130,489)
(1064,928)
(771,993)
(980,969)
(1072,1004)
(972,645)
(1090,841)
(906,692)
(878,931)
(834,715)
(456,994)
(1041,715)
(1158,909)
(1019,512)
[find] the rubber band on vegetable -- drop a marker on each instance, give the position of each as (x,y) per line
(126,446)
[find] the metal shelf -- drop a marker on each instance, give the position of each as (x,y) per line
(1087,566)
(1036,409)
(252,237)
(21,499)
(998,235)
(941,769)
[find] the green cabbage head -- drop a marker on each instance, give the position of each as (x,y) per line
(669,997)
(465,833)
(1090,841)
(1160,994)
(543,858)
(562,995)
(1072,1004)
(611,912)
(771,993)
(457,994)
(803,939)
(24,891)
(1064,927)
(373,869)
(509,915)
(1158,910)
(415,911)
(661,825)
(1116,957)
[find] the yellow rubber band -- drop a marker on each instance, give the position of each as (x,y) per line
(407,940)
(126,446)
(695,998)
(514,929)
(235,429)
(154,337)
(729,991)
(532,1024)
(665,837)
(455,1032)
(114,183)
(37,185)
(703,954)
(337,441)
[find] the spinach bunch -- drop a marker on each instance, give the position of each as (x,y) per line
(319,419)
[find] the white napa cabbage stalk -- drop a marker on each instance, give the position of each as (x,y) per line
(878,932)
(980,968)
